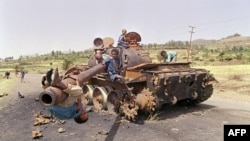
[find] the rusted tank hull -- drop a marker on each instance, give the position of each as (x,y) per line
(156,84)
(173,86)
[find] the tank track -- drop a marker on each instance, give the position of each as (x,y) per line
(203,96)
(144,101)
(207,93)
(128,107)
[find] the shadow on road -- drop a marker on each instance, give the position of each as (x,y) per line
(173,111)
(167,112)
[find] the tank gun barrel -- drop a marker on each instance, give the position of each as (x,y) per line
(53,95)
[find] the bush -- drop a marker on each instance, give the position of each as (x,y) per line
(196,58)
(205,55)
(67,63)
(211,60)
(237,77)
(239,56)
(228,58)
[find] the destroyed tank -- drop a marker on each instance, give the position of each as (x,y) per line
(154,84)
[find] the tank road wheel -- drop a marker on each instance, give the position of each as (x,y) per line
(88,94)
(100,95)
(203,95)
(146,101)
(113,101)
(129,107)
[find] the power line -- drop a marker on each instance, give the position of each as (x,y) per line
(190,47)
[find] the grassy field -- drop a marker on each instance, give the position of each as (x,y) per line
(7,84)
(221,71)
(234,80)
(228,69)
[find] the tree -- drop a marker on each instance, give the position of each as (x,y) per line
(221,56)
(53,53)
(67,63)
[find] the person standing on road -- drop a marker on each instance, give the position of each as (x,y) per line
(7,74)
(22,76)
(169,56)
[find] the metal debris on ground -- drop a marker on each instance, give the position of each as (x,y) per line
(122,121)
(37,133)
(41,119)
(61,130)
(103,132)
(3,94)
(20,95)
(89,109)
(175,130)
(60,121)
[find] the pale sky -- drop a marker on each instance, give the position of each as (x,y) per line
(30,27)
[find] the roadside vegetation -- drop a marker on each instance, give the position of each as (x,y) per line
(6,86)
(232,50)
(227,59)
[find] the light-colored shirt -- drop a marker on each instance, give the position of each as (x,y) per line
(170,54)
(121,42)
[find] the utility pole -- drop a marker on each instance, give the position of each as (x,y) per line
(190,48)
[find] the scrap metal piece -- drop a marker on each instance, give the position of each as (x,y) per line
(129,107)
(146,101)
(37,133)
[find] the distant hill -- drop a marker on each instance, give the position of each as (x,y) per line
(229,42)
(240,39)
(203,42)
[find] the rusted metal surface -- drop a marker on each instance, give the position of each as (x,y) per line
(53,95)
(75,70)
(100,95)
(113,100)
(146,101)
(154,84)
(133,39)
(108,42)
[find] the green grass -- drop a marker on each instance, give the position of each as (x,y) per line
(6,87)
(228,69)
(7,84)
(229,72)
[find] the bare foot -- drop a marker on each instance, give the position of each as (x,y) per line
(56,82)
(56,78)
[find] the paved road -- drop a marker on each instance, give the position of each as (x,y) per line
(175,123)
